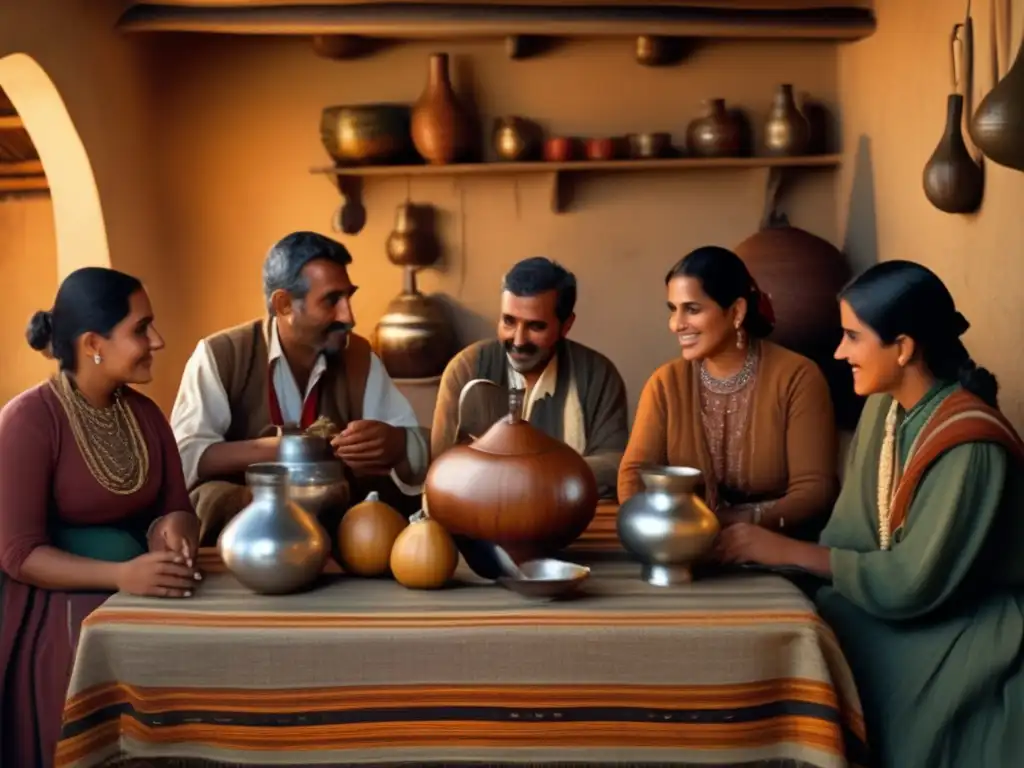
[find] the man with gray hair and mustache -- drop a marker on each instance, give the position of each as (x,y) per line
(299,365)
(573,393)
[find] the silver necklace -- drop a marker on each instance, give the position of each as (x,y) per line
(734,383)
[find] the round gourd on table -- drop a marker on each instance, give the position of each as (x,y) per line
(366,535)
(424,555)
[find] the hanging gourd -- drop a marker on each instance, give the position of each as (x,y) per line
(424,555)
(366,535)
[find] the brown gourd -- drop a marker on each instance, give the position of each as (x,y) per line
(424,555)
(366,536)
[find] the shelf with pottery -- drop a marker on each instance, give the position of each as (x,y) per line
(563,174)
(24,176)
(348,29)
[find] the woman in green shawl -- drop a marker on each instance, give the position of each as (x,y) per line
(923,549)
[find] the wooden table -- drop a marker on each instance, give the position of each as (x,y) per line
(729,671)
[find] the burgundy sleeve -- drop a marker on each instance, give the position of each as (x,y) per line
(174,492)
(26,479)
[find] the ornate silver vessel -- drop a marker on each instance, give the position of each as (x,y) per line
(667,527)
(273,546)
(316,478)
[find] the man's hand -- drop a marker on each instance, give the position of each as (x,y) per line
(370,447)
(176,532)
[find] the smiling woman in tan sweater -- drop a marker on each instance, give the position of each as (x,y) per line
(754,417)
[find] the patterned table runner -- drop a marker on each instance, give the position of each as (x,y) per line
(728,671)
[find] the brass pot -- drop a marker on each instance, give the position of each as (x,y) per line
(717,133)
(367,133)
(786,132)
(414,338)
(516,139)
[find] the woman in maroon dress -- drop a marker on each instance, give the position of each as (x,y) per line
(92,499)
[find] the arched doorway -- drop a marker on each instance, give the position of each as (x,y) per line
(51,221)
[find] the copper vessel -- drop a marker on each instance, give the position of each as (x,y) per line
(441,129)
(514,486)
(997,127)
(717,133)
(414,338)
(410,243)
(786,132)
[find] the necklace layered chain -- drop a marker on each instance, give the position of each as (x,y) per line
(110,439)
(731,384)
(886,473)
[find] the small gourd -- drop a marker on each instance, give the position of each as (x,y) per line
(424,555)
(366,535)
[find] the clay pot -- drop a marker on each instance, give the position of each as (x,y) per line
(998,124)
(414,338)
(786,132)
(717,133)
(560,149)
(803,274)
(441,128)
(515,486)
(953,182)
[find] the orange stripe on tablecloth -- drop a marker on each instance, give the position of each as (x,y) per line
(443,620)
(807,731)
(345,698)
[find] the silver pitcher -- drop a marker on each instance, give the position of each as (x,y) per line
(668,527)
(273,546)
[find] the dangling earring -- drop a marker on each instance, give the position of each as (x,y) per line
(741,338)
(97,359)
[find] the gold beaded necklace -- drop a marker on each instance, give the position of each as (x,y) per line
(109,439)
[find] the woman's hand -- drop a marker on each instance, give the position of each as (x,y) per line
(731,515)
(176,532)
(157,574)
(748,543)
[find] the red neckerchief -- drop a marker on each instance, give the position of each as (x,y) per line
(310,406)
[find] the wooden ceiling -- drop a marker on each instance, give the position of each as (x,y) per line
(20,169)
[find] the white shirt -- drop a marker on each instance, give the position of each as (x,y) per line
(202,413)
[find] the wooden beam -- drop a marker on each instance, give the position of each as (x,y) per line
(26,168)
(23,184)
(11,123)
(757,5)
(450,21)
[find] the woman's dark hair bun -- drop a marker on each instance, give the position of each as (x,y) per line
(979,381)
(40,330)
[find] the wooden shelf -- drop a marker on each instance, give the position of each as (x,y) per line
(350,178)
(821,20)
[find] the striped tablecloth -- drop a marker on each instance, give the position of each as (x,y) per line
(727,672)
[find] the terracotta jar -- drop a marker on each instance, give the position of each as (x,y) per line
(514,486)
(716,133)
(441,129)
(786,132)
(410,243)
